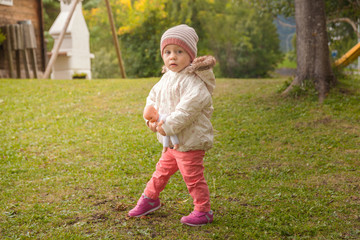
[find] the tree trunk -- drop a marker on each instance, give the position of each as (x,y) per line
(313,60)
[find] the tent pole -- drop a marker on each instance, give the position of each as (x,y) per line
(116,41)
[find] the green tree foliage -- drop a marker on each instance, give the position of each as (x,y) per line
(274,7)
(105,64)
(142,52)
(51,11)
(343,17)
(89,4)
(341,37)
(245,43)
(140,25)
(343,8)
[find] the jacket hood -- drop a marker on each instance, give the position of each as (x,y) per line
(202,67)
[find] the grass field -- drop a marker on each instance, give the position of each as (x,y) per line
(76,155)
(287,62)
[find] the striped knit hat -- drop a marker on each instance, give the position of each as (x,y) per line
(183,36)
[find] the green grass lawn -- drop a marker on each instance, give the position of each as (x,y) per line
(76,155)
(287,62)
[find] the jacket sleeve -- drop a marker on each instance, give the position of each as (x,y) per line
(194,98)
(150,100)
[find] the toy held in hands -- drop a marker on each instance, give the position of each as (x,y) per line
(152,115)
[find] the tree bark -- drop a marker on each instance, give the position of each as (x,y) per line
(313,60)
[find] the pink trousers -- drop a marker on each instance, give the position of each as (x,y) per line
(191,168)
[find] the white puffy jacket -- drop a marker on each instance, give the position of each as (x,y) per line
(186,97)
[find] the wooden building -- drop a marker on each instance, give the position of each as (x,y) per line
(11,13)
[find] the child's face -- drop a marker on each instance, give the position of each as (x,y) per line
(175,58)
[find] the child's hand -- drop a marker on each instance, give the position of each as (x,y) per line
(152,126)
(160,129)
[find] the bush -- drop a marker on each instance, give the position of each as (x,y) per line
(2,37)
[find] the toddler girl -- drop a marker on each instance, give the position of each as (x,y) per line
(152,115)
(184,94)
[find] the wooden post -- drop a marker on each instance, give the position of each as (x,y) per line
(34,62)
(116,41)
(8,47)
(23,50)
(16,45)
(60,40)
(30,44)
